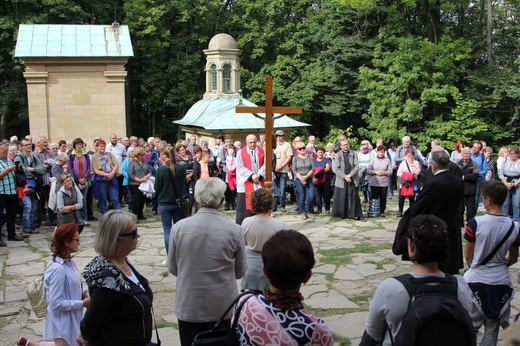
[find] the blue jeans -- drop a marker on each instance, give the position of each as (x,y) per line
(305,194)
(478,196)
(27,215)
(513,195)
(281,178)
(169,216)
(108,191)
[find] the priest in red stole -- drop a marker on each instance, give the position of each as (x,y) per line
(250,176)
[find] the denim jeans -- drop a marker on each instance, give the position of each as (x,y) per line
(108,191)
(169,216)
(513,196)
(30,208)
(281,178)
(305,196)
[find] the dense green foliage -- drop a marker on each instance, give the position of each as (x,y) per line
(368,68)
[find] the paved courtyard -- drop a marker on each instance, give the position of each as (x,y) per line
(353,257)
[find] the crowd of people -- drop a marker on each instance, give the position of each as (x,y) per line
(64,180)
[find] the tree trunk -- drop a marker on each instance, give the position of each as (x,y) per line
(489,32)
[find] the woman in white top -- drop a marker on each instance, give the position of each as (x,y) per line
(64,291)
(257,230)
(364,156)
(509,173)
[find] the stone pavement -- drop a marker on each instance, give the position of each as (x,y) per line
(352,259)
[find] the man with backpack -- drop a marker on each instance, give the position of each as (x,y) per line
(492,242)
(426,306)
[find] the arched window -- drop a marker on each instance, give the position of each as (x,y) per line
(213,75)
(226,78)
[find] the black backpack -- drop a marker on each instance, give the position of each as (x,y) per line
(434,316)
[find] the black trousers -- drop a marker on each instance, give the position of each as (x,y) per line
(379,192)
(138,200)
(9,203)
(188,330)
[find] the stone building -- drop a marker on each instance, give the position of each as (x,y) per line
(215,113)
(75,78)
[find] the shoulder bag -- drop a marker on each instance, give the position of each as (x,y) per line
(218,336)
(183,202)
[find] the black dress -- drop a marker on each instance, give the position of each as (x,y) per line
(347,203)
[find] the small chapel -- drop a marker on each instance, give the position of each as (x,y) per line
(76,79)
(215,113)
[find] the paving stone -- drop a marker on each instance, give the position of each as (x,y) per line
(22,256)
(325,268)
(330,300)
(350,325)
(4,312)
(308,291)
(16,295)
(1,297)
(345,273)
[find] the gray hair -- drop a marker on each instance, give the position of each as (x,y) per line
(466,149)
(63,157)
(406,138)
(209,192)
(204,142)
(111,225)
(440,159)
(53,145)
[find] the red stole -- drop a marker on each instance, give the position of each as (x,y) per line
(246,159)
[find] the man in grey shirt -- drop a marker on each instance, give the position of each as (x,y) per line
(207,254)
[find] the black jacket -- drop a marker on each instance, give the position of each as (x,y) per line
(120,311)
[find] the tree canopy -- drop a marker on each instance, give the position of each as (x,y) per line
(446,69)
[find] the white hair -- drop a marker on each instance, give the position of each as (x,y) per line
(209,192)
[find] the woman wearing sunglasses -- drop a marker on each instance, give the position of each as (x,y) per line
(120,307)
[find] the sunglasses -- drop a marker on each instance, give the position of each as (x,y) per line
(301,148)
(134,234)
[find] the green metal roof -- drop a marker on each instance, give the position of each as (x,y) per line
(219,114)
(43,40)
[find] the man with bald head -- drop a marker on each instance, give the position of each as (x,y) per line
(250,176)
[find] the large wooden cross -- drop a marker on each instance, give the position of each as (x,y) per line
(269,111)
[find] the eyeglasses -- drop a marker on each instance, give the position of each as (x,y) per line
(75,239)
(134,234)
(279,135)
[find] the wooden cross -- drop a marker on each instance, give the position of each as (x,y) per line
(269,111)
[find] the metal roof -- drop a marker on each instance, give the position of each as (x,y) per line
(45,40)
(219,114)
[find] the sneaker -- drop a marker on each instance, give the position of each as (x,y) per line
(86,223)
(399,214)
(382,215)
(304,217)
(92,218)
(311,216)
(164,263)
(2,243)
(282,209)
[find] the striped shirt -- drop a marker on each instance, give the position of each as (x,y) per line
(8,182)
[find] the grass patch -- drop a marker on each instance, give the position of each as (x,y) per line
(343,341)
(330,312)
(342,255)
(379,265)
(164,274)
(359,299)
(165,324)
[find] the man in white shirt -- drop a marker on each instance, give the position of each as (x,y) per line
(283,154)
(119,151)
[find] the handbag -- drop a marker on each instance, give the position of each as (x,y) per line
(183,203)
(218,336)
(21,179)
(407,183)
(36,297)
